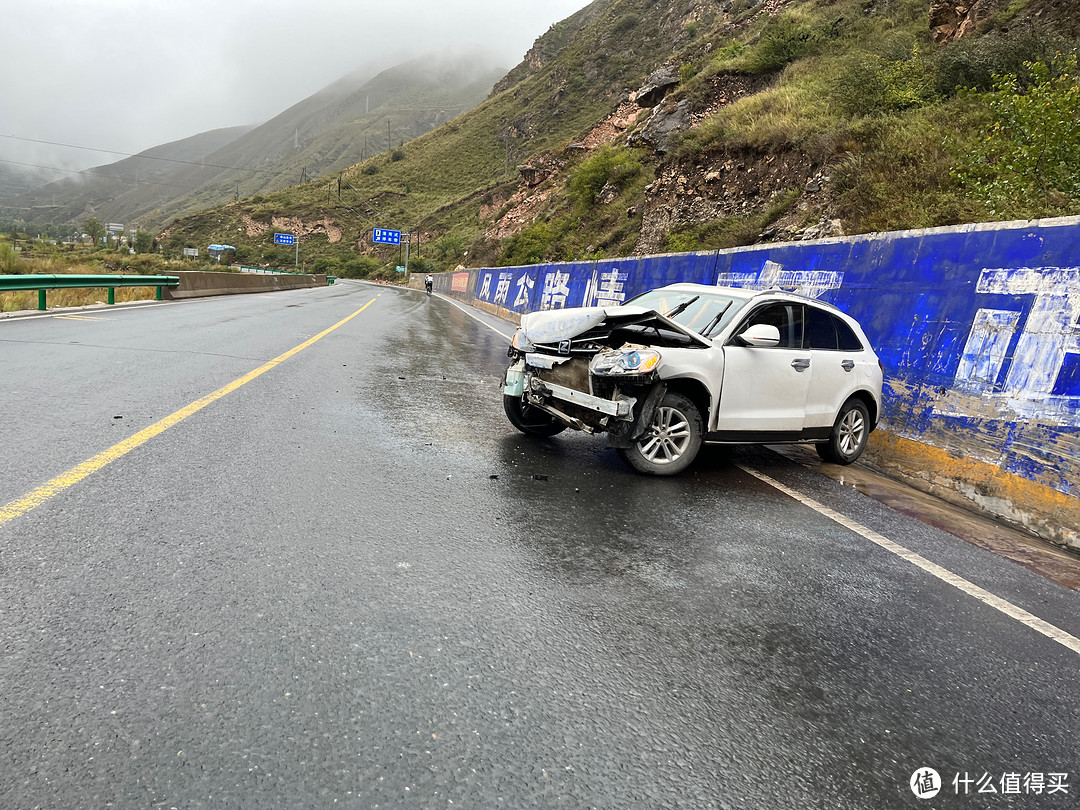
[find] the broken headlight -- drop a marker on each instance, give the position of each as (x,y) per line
(625,361)
(522,343)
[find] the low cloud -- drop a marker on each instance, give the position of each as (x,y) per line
(126,75)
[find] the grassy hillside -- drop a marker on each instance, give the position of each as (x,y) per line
(787,120)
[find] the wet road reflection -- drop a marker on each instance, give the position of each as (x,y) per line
(356,582)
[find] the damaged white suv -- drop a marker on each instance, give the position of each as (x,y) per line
(690,363)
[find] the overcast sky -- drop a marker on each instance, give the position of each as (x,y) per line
(126,75)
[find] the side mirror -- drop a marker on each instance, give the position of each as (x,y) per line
(761,335)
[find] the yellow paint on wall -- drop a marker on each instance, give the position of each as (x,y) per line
(1041,509)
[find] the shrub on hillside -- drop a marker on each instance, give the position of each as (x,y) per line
(868,83)
(783,40)
(529,246)
(9,261)
(608,165)
(1029,159)
(974,62)
(326,265)
(360,267)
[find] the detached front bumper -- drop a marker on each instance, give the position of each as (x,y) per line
(619,408)
(540,392)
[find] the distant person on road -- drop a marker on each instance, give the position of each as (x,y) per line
(429,282)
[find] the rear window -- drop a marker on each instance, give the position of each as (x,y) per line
(848,340)
(827,332)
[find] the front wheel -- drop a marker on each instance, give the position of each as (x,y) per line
(530,420)
(671,441)
(849,434)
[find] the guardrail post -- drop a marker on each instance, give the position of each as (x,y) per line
(112,295)
(159,293)
(41,300)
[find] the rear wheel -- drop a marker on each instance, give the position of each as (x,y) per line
(530,420)
(849,434)
(671,441)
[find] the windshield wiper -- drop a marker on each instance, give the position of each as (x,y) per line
(716,321)
(682,307)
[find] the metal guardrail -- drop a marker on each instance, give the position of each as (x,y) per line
(68,281)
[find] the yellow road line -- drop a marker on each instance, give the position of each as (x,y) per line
(76,474)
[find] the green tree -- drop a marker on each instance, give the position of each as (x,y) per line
(1030,157)
(360,267)
(9,260)
(144,240)
(93,228)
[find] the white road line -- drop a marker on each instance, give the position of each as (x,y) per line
(471,315)
(971,589)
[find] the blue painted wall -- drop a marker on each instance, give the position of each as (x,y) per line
(978,326)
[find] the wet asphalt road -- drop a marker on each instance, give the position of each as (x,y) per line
(349,582)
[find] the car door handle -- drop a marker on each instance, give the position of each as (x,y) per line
(848,365)
(800,365)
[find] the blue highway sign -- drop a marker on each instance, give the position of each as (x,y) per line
(284,239)
(385,237)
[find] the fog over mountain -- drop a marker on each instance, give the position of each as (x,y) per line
(124,76)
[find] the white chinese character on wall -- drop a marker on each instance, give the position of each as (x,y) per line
(556,290)
(502,291)
(606,289)
(524,285)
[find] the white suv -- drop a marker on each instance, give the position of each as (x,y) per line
(690,363)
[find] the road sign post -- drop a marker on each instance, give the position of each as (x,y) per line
(383,236)
(289,239)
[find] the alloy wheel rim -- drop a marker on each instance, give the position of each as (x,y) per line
(668,436)
(852,432)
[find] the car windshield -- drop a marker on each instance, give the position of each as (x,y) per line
(704,312)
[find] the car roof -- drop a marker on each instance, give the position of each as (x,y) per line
(745,293)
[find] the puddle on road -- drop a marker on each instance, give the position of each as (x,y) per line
(1037,555)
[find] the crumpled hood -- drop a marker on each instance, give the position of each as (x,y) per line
(554,325)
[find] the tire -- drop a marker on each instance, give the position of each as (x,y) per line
(849,434)
(529,420)
(671,441)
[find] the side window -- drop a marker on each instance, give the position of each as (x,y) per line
(820,329)
(787,318)
(827,332)
(848,340)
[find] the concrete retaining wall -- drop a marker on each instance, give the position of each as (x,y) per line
(194,284)
(978,328)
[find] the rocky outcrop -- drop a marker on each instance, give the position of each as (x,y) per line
(953,19)
(657,86)
(665,121)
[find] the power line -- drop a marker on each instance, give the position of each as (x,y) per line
(144,156)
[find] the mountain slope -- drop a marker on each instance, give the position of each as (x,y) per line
(637,127)
(117,192)
(329,131)
(340,126)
